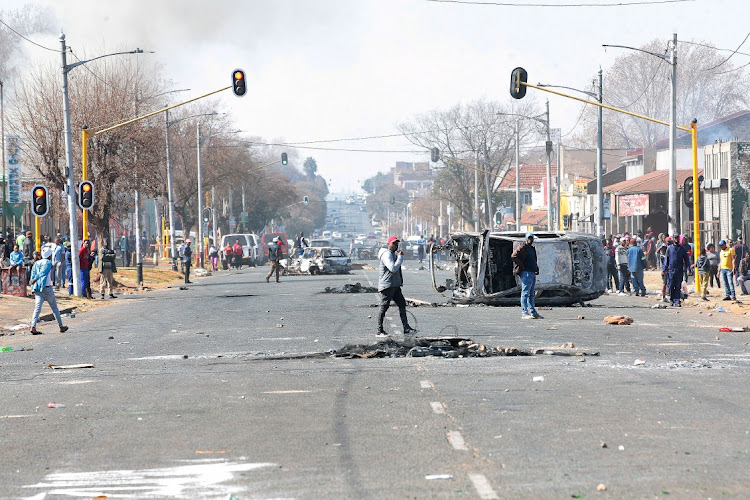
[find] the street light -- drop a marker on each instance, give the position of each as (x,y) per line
(599,163)
(170,188)
(71,188)
(672,60)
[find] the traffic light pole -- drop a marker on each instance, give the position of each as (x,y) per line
(199,244)
(170,196)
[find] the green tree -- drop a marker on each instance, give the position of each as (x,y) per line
(310,167)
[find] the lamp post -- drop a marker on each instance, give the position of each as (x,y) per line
(599,164)
(672,60)
(71,188)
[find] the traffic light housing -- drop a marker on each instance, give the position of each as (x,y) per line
(86,195)
(239,86)
(518,78)
(393,200)
(435,155)
(687,192)
(305,200)
(39,201)
(284,159)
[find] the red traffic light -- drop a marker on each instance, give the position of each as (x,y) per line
(86,187)
(239,87)
(86,195)
(39,201)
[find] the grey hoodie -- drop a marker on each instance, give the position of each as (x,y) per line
(390,269)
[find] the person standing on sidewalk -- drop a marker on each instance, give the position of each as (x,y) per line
(390,281)
(727,261)
(58,264)
(636,265)
(612,274)
(41,286)
(125,249)
(274,256)
(107,267)
(526,268)
(85,259)
(621,256)
(703,268)
(674,267)
(187,260)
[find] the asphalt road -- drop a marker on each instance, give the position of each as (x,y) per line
(199,393)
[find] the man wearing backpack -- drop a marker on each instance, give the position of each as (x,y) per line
(107,267)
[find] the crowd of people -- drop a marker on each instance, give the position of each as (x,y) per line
(628,256)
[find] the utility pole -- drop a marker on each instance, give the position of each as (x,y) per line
(72,212)
(199,243)
(170,196)
(549,173)
(2,145)
(490,212)
(599,165)
(518,180)
(673,226)
(559,179)
(476,192)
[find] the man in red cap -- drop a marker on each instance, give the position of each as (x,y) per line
(390,281)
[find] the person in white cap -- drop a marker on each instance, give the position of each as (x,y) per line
(274,256)
(41,285)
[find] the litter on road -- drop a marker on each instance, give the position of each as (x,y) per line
(431,477)
(349,288)
(70,367)
(618,320)
(55,405)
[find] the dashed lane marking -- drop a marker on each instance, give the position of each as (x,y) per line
(367,277)
(426,384)
(483,487)
(457,441)
(438,407)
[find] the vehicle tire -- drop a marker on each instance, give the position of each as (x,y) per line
(314,271)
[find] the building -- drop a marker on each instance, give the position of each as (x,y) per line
(725,199)
(415,177)
(533,179)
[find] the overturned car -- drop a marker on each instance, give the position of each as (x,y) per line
(319,260)
(572,268)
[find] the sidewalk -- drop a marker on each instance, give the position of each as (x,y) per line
(16,312)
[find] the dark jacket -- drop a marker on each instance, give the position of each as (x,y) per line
(273,252)
(107,259)
(524,259)
(703,265)
(677,259)
(187,255)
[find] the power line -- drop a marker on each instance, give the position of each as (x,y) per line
(712,47)
(516,4)
(658,67)
(90,70)
(27,39)
(730,55)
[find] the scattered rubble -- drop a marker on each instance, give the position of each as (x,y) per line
(349,288)
(70,367)
(446,347)
(618,320)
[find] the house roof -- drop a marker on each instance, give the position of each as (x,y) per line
(531,177)
(653,182)
(534,217)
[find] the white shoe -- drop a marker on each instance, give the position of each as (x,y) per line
(527,316)
(623,294)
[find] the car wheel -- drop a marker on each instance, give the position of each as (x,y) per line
(314,271)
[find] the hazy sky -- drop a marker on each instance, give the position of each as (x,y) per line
(329,69)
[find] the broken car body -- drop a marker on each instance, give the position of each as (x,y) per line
(320,260)
(572,268)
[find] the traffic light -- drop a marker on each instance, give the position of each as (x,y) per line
(86,195)
(393,200)
(566,221)
(305,200)
(435,155)
(517,83)
(687,192)
(284,159)
(39,201)
(238,83)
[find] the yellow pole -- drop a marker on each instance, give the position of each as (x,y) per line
(38,229)
(163,239)
(84,175)
(696,200)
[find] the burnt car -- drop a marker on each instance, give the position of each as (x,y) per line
(572,268)
(320,260)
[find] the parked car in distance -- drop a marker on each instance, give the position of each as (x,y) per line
(336,235)
(250,242)
(326,235)
(267,238)
(320,242)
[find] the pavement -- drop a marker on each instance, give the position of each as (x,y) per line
(226,388)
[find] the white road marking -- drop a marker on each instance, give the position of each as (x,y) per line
(286,392)
(197,479)
(15,416)
(457,441)
(426,384)
(369,281)
(438,407)
(483,487)
(149,358)
(76,382)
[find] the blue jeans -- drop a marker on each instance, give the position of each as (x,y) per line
(726,275)
(85,282)
(528,283)
(637,279)
(47,294)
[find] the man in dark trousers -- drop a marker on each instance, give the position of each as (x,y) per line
(390,281)
(675,263)
(187,260)
(274,255)
(526,268)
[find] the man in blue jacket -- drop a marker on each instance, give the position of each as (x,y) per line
(636,265)
(390,281)
(675,263)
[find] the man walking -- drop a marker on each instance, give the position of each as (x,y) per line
(237,252)
(107,267)
(675,263)
(727,261)
(274,255)
(41,285)
(636,265)
(526,268)
(390,281)
(58,264)
(187,260)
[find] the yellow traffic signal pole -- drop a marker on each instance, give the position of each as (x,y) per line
(38,229)
(692,129)
(84,177)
